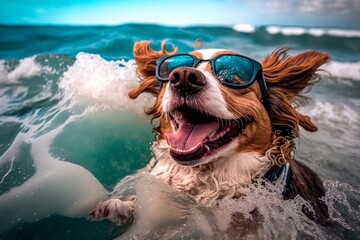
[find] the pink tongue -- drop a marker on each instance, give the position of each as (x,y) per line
(188,135)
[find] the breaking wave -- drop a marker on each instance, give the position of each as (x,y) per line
(298,31)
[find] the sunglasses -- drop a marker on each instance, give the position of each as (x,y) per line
(232,70)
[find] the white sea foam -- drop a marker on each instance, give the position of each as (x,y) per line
(348,70)
(245,28)
(343,33)
(335,115)
(261,213)
(339,126)
(316,31)
(26,68)
(104,82)
(3,71)
(60,187)
(286,30)
(297,31)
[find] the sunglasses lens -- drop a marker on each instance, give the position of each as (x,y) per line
(234,70)
(169,64)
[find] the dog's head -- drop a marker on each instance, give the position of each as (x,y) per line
(212,104)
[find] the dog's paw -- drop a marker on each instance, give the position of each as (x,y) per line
(115,210)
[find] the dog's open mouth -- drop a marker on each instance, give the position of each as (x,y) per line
(198,134)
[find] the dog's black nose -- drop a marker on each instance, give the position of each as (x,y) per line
(187,80)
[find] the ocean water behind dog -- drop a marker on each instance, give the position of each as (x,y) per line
(68,134)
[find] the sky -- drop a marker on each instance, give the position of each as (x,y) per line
(339,13)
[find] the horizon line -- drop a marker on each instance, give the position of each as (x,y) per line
(165,25)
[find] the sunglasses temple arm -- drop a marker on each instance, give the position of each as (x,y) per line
(264,93)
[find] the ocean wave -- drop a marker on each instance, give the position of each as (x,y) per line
(286,30)
(26,68)
(103,82)
(346,70)
(317,32)
(341,121)
(298,31)
(245,28)
(339,126)
(334,114)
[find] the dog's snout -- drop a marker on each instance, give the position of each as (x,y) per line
(187,80)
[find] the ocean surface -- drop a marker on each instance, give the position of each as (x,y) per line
(69,133)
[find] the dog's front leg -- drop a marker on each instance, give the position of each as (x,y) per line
(116,210)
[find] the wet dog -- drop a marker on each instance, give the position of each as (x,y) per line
(222,121)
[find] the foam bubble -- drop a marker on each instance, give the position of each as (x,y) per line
(245,28)
(348,70)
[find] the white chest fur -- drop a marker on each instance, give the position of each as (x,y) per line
(222,178)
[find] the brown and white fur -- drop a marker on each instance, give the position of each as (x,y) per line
(263,143)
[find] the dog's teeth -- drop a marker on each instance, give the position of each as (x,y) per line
(190,149)
(216,135)
(211,136)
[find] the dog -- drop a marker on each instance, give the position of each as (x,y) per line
(223,120)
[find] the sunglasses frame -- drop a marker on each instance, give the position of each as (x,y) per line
(257,73)
(257,69)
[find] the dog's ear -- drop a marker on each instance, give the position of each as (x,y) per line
(145,58)
(287,77)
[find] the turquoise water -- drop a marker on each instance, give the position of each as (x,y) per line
(68,132)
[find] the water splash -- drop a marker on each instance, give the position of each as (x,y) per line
(338,203)
(260,213)
(24,69)
(57,187)
(93,80)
